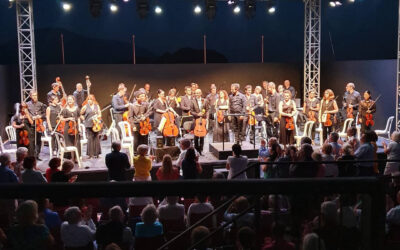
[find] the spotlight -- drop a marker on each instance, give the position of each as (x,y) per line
(142,7)
(236,10)
(95,7)
(211,9)
(271,8)
(338,3)
(66,6)
(113,8)
(352,1)
(126,1)
(158,10)
(231,2)
(197,9)
(332,4)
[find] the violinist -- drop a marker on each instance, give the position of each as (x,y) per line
(272,110)
(70,116)
(366,108)
(160,107)
(55,91)
(37,111)
(249,119)
(186,100)
(237,105)
(52,115)
(22,122)
(198,109)
(147,91)
(80,94)
(351,100)
(287,86)
(139,112)
(221,105)
(120,104)
(327,112)
(172,100)
(91,114)
(310,110)
(194,86)
(287,111)
(264,90)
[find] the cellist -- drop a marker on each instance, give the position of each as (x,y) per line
(37,111)
(365,110)
(310,110)
(138,112)
(199,108)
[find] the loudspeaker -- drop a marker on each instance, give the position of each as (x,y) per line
(160,141)
(170,141)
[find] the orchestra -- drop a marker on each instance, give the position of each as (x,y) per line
(213,114)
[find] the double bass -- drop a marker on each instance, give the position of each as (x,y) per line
(200,129)
(88,85)
(63,100)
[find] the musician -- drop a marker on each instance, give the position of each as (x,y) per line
(37,112)
(221,130)
(55,91)
(198,109)
(172,100)
(287,110)
(186,101)
(147,90)
(286,86)
(119,104)
(139,111)
(80,94)
(159,107)
(91,114)
(328,106)
(70,115)
(211,98)
(264,91)
(367,107)
(310,110)
(52,114)
(280,90)
(258,98)
(250,104)
(271,104)
(194,86)
(237,105)
(22,122)
(351,100)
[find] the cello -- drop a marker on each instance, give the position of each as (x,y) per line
(200,129)
(170,129)
(88,85)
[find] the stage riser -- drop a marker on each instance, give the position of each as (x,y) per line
(222,153)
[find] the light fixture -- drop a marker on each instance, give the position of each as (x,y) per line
(231,2)
(113,8)
(197,9)
(211,9)
(236,10)
(158,10)
(66,6)
(332,4)
(338,3)
(271,8)
(352,1)
(126,1)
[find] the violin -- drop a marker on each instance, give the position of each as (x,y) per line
(126,100)
(72,128)
(63,100)
(311,116)
(23,138)
(60,127)
(200,129)
(170,129)
(39,125)
(145,126)
(97,124)
(369,120)
(349,112)
(252,118)
(289,123)
(328,121)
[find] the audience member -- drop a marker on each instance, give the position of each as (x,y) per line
(393,153)
(17,166)
(30,175)
(317,157)
(167,171)
(352,139)
(77,230)
(198,234)
(184,144)
(347,169)
(245,239)
(65,174)
(239,206)
(142,164)
(50,218)
(393,216)
(282,169)
(313,242)
(278,242)
(191,167)
(117,163)
(201,206)
(365,152)
(149,227)
(27,234)
(336,147)
(114,231)
(54,164)
(307,167)
(306,139)
(172,210)
(331,169)
(236,163)
(263,154)
(6,174)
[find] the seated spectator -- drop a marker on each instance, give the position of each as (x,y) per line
(172,210)
(328,228)
(54,164)
(263,154)
(77,230)
(65,174)
(274,154)
(201,206)
(236,163)
(352,139)
(348,217)
(307,169)
(393,153)
(198,234)
(317,157)
(29,175)
(393,216)
(336,147)
(184,144)
(191,168)
(238,206)
(27,234)
(246,238)
(142,164)
(306,139)
(347,169)
(106,203)
(7,206)
(167,171)
(6,174)
(365,152)
(313,242)
(331,169)
(278,242)
(17,166)
(117,163)
(282,169)
(149,227)
(114,231)
(50,219)
(112,246)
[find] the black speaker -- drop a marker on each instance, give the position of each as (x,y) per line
(170,141)
(160,141)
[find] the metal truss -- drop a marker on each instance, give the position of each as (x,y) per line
(312,46)
(26,47)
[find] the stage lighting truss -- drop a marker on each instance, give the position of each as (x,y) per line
(250,8)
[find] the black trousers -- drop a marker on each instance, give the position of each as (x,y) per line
(325,132)
(251,128)
(199,143)
(118,118)
(237,125)
(272,127)
(139,139)
(34,148)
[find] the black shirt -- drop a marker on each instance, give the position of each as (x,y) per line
(79,97)
(118,104)
(237,103)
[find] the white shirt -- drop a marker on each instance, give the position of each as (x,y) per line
(171,212)
(200,208)
(182,157)
(77,235)
(199,103)
(237,164)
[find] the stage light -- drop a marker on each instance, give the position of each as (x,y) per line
(271,8)
(126,1)
(66,6)
(236,10)
(197,9)
(338,3)
(352,1)
(113,8)
(231,2)
(332,4)
(158,10)
(211,9)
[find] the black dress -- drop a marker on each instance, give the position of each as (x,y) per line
(157,116)
(54,112)
(93,145)
(71,140)
(220,129)
(362,113)
(286,136)
(18,119)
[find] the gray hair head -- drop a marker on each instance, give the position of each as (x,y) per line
(395,136)
(149,214)
(73,215)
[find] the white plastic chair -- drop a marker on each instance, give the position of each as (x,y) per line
(321,134)
(346,125)
(387,129)
(114,134)
(11,134)
(4,150)
(112,125)
(127,138)
(62,149)
(83,139)
(307,132)
(46,138)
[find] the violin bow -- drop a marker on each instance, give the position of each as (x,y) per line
(130,96)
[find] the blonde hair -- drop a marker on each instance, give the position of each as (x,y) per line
(142,149)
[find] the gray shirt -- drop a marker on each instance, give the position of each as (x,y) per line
(118,104)
(32,176)
(351,99)
(36,108)
(237,103)
(236,165)
(365,152)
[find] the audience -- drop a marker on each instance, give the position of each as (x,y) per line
(240,205)
(17,166)
(352,139)
(30,175)
(308,168)
(172,210)
(191,168)
(117,163)
(200,207)
(198,234)
(313,242)
(336,147)
(6,174)
(278,239)
(184,144)
(365,152)
(142,164)
(347,169)
(236,163)
(393,215)
(393,153)
(270,170)
(149,227)
(54,164)
(331,169)
(317,157)
(246,238)
(167,171)
(65,174)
